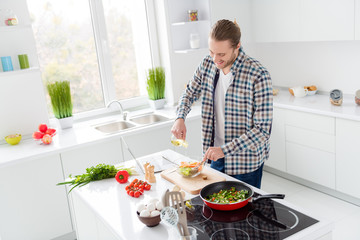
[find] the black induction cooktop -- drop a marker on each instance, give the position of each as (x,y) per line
(263,220)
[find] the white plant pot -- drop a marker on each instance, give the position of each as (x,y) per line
(66,122)
(157,104)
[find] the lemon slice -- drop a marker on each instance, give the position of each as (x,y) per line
(180,143)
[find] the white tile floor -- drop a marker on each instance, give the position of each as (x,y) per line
(346,216)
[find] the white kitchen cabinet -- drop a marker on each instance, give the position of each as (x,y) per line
(311,164)
(310,138)
(310,147)
(303,20)
(147,141)
(310,121)
(31,205)
(277,158)
(347,157)
(303,145)
(89,227)
(76,161)
(276,20)
(327,20)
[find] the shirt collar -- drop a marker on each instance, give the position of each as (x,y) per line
(238,61)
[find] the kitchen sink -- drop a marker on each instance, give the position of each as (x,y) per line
(114,127)
(135,121)
(149,119)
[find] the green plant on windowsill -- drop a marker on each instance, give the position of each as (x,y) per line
(61,102)
(155,86)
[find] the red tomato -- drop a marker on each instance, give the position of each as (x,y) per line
(38,135)
(137,194)
(147,187)
(131,193)
(47,139)
(51,131)
(43,127)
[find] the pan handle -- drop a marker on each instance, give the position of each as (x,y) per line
(279,196)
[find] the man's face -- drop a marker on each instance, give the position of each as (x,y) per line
(222,53)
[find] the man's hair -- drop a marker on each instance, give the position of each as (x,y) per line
(226,30)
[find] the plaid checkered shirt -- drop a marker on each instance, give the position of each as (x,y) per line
(248,111)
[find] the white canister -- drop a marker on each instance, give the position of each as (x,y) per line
(194,40)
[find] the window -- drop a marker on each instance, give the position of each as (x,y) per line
(101,47)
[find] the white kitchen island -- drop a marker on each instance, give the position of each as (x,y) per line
(103,211)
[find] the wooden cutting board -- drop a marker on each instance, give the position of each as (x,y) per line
(192,185)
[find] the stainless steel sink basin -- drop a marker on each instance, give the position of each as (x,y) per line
(114,127)
(148,119)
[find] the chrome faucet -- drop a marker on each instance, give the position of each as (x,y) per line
(121,108)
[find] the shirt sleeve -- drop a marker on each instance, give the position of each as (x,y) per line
(262,119)
(191,93)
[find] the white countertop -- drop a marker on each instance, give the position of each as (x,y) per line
(84,134)
(318,104)
(108,200)
(81,134)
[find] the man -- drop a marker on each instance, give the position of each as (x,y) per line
(237,106)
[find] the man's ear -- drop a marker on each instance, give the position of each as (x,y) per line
(238,46)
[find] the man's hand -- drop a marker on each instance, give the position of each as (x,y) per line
(214,153)
(179,129)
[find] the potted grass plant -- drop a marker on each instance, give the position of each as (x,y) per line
(155,86)
(61,102)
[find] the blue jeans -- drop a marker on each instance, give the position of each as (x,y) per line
(252,178)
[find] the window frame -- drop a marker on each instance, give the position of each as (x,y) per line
(104,59)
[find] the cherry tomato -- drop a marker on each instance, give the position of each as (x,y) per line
(131,193)
(137,194)
(147,187)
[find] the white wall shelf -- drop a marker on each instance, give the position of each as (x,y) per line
(175,50)
(19,71)
(4,29)
(190,23)
(189,50)
(25,111)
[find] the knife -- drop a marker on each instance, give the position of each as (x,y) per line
(167,159)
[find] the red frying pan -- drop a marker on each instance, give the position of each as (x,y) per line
(216,187)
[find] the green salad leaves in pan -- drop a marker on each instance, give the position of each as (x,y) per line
(228,196)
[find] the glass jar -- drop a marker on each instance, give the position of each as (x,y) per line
(193,15)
